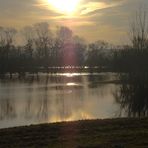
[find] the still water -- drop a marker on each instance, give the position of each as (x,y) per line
(58,97)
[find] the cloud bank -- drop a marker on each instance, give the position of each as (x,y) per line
(93,19)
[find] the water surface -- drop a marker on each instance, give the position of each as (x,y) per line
(58,97)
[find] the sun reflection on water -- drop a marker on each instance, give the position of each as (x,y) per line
(72,84)
(70,74)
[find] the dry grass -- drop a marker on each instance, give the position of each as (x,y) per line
(111,133)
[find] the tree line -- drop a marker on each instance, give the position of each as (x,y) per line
(44,49)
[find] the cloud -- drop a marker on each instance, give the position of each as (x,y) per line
(93,20)
(93,6)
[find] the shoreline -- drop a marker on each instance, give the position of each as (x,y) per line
(108,133)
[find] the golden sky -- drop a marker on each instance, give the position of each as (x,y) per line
(91,19)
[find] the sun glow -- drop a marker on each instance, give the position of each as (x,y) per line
(64,6)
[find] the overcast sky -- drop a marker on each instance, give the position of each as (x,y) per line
(94,19)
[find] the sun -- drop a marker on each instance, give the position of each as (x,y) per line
(64,6)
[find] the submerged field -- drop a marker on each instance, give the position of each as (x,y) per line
(109,133)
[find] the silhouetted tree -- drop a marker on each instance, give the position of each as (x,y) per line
(98,54)
(43,38)
(28,33)
(133,94)
(6,45)
(139,30)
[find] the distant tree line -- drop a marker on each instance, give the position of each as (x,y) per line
(44,49)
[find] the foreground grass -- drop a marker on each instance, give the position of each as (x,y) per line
(114,133)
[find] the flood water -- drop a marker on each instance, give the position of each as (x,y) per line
(58,97)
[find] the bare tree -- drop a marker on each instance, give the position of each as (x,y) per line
(1,36)
(139,30)
(64,34)
(43,43)
(43,37)
(29,38)
(6,39)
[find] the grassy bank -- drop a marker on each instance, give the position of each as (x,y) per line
(114,133)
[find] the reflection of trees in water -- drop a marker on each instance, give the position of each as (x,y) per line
(36,104)
(37,107)
(64,99)
(95,80)
(133,94)
(28,108)
(42,106)
(7,109)
(33,108)
(44,103)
